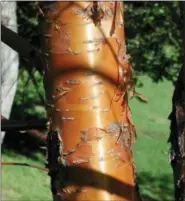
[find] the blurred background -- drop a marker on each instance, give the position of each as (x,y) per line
(154,43)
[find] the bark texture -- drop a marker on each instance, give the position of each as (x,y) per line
(87,76)
(177,137)
(177,117)
(9,62)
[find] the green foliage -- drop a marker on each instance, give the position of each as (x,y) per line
(28,13)
(153,39)
(27,101)
(24,183)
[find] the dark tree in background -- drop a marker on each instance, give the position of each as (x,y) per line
(177,117)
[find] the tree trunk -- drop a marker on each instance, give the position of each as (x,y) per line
(9,62)
(177,136)
(87,75)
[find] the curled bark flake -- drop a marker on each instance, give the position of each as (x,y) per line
(80,11)
(93,50)
(69,152)
(93,97)
(55,97)
(84,98)
(139,95)
(124,137)
(92,134)
(73,52)
(68,118)
(72,82)
(83,135)
(113,127)
(104,110)
(97,13)
(63,90)
(97,41)
(78,161)
(127,130)
(93,11)
(97,82)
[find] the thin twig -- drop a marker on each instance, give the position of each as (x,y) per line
(25,164)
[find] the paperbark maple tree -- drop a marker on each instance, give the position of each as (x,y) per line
(87,79)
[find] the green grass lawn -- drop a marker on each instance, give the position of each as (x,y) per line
(23,183)
(150,153)
(151,148)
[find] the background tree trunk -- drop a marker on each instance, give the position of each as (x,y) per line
(177,117)
(9,62)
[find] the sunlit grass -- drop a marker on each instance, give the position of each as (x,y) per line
(151,148)
(24,183)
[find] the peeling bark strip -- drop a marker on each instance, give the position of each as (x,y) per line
(89,129)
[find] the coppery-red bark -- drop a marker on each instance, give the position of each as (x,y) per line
(87,76)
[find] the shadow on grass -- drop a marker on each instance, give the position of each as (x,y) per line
(22,143)
(156,188)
